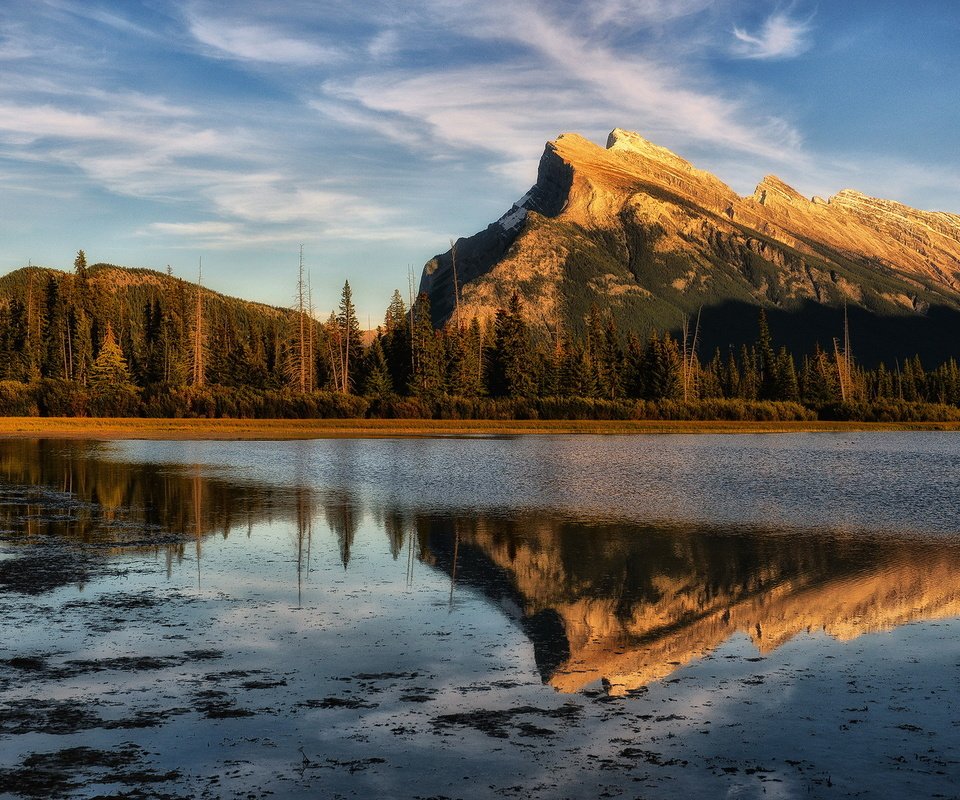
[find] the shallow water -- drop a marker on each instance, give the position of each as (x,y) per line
(546,617)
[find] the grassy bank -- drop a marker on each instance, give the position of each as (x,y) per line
(272,429)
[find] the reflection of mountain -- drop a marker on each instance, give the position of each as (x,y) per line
(629,605)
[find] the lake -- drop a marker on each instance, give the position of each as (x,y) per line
(536,617)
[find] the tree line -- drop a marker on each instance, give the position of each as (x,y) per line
(71,346)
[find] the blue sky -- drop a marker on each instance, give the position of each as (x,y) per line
(151,133)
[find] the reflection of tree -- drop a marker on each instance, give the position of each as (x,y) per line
(74,491)
(304,513)
(343,518)
(393,526)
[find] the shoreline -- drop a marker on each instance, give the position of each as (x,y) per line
(287,429)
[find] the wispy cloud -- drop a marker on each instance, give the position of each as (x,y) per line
(780,36)
(592,87)
(630,13)
(260,43)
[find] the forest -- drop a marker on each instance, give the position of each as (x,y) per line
(106,341)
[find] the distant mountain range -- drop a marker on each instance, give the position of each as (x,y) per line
(638,230)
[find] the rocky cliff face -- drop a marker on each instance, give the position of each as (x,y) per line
(638,229)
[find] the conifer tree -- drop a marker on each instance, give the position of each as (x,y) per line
(766,362)
(396,341)
(429,372)
(787,385)
(511,359)
(376,374)
(114,393)
(350,340)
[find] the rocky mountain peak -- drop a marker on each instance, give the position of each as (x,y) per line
(772,189)
(623,141)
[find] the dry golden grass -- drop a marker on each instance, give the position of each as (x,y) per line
(273,429)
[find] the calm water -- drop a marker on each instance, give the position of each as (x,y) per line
(543,617)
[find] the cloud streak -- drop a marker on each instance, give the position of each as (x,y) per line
(779,37)
(260,43)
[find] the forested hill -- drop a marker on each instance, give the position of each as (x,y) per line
(52,325)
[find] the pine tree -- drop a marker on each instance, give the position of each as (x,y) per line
(466,361)
(114,393)
(766,362)
(80,265)
(396,341)
(350,340)
(730,377)
(512,367)
(749,374)
(429,373)
(662,369)
(376,374)
(787,385)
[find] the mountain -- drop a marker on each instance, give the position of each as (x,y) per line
(637,229)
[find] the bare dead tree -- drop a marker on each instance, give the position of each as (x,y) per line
(199,368)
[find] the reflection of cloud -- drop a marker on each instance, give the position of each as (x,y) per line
(778,37)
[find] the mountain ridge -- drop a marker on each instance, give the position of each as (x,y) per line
(639,230)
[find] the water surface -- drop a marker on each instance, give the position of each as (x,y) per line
(583,616)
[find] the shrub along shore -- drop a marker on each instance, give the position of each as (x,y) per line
(58,398)
(286,429)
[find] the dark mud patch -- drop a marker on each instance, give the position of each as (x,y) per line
(119,601)
(652,757)
(336,702)
(500,723)
(45,568)
(26,663)
(246,678)
(214,704)
(37,667)
(64,772)
(203,655)
(62,717)
(349,765)
(425,696)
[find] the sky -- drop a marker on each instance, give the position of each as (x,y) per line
(152,133)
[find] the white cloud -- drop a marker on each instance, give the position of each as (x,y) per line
(394,127)
(780,36)
(259,43)
(384,45)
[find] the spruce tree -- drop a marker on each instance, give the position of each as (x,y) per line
(766,362)
(513,369)
(351,340)
(114,393)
